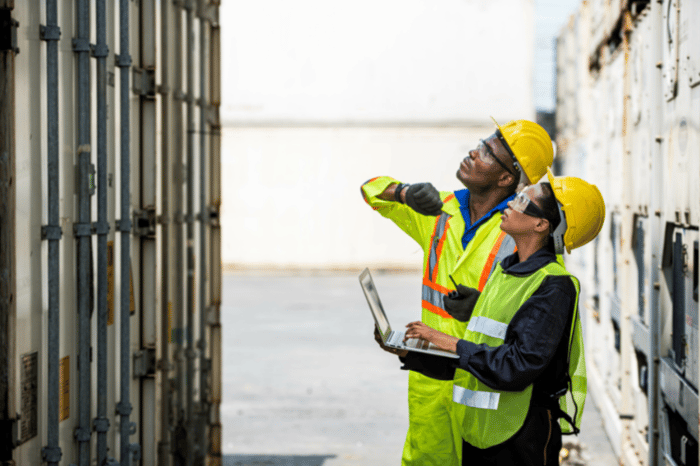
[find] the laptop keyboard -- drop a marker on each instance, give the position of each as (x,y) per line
(417,343)
(396,339)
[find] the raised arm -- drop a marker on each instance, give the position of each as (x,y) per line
(389,194)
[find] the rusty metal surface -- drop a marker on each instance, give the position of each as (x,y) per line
(7,248)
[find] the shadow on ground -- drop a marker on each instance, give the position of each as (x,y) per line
(276,460)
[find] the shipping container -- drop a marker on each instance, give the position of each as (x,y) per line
(109,230)
(633,131)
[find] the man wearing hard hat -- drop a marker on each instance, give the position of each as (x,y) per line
(520,380)
(460,237)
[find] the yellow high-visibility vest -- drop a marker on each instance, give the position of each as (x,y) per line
(487,416)
(433,439)
(443,255)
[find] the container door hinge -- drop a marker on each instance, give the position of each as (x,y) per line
(209,13)
(213,216)
(8,31)
(100,424)
(206,365)
(163,365)
(145,363)
(51,454)
(50,32)
(144,82)
(9,432)
(82,434)
(211,114)
(145,222)
(135,450)
(51,232)
(123,408)
(123,225)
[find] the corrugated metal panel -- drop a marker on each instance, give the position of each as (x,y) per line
(120,140)
(642,150)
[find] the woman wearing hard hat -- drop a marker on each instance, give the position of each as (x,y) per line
(520,381)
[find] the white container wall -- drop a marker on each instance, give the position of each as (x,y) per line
(314,174)
(634,133)
(314,61)
(322,96)
(113,334)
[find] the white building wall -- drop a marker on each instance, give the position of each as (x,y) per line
(292,195)
(320,96)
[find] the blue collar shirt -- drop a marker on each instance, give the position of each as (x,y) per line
(470,228)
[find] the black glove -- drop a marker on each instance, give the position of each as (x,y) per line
(424,199)
(460,304)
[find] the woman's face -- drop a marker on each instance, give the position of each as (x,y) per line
(515,222)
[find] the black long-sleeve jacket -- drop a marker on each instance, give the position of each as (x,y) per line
(536,343)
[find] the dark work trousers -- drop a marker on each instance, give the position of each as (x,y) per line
(537,443)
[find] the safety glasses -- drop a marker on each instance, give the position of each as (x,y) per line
(487,156)
(523,204)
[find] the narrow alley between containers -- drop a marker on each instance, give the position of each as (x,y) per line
(305,384)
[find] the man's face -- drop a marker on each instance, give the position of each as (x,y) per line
(479,169)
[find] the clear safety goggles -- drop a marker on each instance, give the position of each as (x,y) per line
(488,157)
(523,204)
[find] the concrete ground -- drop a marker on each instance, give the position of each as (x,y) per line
(306,385)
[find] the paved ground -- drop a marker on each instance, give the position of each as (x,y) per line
(306,385)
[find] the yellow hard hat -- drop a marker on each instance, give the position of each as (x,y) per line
(530,145)
(583,207)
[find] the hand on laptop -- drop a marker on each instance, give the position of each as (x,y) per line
(378,339)
(443,341)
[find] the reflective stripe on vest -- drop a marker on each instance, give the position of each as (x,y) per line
(497,254)
(433,297)
(436,240)
(502,298)
(489,327)
(481,400)
(432,293)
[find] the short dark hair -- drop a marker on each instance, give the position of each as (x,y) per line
(548,204)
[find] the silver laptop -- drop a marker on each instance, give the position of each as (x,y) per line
(394,338)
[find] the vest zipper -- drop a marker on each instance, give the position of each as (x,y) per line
(549,436)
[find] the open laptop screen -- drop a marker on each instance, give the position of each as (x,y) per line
(374,303)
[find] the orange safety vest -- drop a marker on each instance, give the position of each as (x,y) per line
(471,268)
